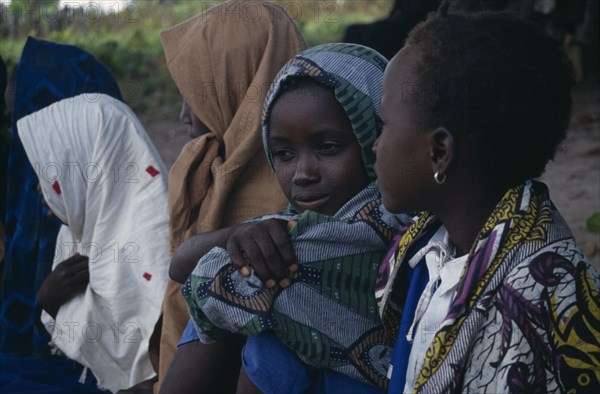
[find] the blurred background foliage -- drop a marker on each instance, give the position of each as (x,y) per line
(125,36)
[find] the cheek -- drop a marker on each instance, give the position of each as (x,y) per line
(403,185)
(329,172)
(390,176)
(285,174)
(392,187)
(349,175)
(383,162)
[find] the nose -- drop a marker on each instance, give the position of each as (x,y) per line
(375,144)
(185,116)
(307,171)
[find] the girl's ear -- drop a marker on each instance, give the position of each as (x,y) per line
(442,150)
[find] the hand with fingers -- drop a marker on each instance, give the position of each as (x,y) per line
(266,248)
(67,280)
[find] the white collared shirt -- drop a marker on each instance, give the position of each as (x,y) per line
(444,273)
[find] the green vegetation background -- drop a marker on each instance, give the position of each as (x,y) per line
(126,38)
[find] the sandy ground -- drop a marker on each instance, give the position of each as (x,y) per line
(573,177)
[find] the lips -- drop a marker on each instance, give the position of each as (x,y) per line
(311,201)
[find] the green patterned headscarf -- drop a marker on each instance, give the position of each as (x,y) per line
(355,73)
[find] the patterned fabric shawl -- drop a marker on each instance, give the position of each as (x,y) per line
(47,73)
(526,316)
(329,314)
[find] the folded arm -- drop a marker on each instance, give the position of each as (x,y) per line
(263,246)
(68,279)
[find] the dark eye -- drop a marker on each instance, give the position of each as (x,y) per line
(329,147)
(282,154)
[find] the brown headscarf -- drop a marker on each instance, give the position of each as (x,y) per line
(223,61)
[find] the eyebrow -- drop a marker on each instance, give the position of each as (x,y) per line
(322,133)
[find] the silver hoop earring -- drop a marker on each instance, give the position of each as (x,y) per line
(439,178)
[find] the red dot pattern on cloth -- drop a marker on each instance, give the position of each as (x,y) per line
(56,187)
(152,171)
(147,276)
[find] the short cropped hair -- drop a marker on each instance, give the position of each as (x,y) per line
(499,84)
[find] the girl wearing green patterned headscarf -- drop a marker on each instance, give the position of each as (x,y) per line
(329,88)
(320,120)
(353,73)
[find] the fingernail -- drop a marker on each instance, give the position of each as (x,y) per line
(245,271)
(294,267)
(284,282)
(270,283)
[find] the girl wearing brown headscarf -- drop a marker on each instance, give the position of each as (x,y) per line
(223,61)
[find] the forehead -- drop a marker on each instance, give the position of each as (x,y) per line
(400,68)
(305,91)
(307,110)
(400,82)
(307,102)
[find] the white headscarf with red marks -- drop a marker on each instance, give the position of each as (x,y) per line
(101,176)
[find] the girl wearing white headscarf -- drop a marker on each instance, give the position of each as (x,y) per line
(102,177)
